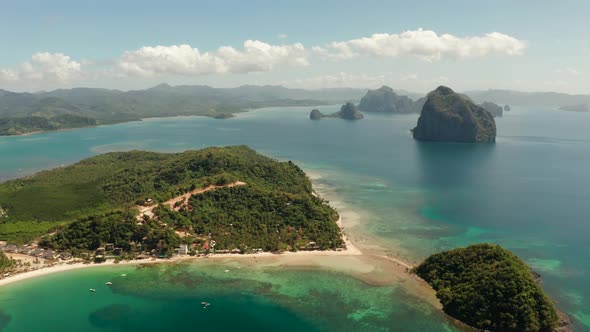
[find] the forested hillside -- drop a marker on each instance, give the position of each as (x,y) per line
(96,201)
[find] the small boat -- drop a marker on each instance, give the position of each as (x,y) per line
(92,290)
(205,304)
(109,283)
(226,271)
(123,275)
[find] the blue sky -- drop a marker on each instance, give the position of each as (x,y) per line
(539,45)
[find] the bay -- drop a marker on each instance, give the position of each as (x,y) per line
(528,192)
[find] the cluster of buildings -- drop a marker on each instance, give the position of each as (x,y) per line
(35,251)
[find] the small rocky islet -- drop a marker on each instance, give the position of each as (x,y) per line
(348,111)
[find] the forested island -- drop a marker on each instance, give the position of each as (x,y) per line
(348,111)
(141,203)
(490,288)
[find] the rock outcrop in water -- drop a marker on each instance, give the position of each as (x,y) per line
(315,114)
(385,100)
(507,108)
(448,117)
(495,109)
(348,111)
(581,108)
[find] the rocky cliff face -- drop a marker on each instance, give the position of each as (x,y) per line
(385,100)
(349,111)
(315,114)
(449,117)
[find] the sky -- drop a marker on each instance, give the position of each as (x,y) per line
(521,45)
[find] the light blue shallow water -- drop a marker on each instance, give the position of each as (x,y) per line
(528,192)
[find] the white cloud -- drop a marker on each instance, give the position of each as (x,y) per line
(410,82)
(423,44)
(256,56)
(340,79)
(46,67)
(568,71)
(8,75)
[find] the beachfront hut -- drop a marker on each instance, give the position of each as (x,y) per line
(183,249)
(49,255)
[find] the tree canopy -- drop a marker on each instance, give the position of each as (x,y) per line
(489,288)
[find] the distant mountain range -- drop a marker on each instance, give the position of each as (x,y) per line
(22,113)
(546,99)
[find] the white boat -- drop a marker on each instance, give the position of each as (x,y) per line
(123,275)
(92,290)
(109,283)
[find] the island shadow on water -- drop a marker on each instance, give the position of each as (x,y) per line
(4,320)
(453,164)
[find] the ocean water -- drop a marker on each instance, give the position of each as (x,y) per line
(528,192)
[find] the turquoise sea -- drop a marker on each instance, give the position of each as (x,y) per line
(528,192)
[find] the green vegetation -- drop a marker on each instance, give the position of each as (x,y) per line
(119,228)
(262,218)
(22,113)
(93,202)
(450,117)
(6,264)
(489,288)
(23,125)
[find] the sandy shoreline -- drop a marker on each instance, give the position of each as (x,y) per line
(350,250)
(372,266)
